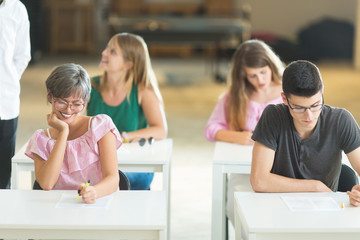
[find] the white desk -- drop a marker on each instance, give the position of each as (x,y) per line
(228,158)
(32,214)
(131,158)
(266,216)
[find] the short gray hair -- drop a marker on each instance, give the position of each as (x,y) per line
(68,79)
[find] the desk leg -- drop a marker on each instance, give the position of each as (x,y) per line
(14,176)
(218,204)
(239,231)
(166,188)
(163,235)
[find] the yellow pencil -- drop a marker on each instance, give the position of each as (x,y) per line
(86,184)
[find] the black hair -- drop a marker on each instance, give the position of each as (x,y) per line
(302,78)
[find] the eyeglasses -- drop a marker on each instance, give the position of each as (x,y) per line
(315,108)
(62,105)
(142,141)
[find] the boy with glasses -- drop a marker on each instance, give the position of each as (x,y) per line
(298,144)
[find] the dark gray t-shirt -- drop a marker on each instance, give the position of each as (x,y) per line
(317,157)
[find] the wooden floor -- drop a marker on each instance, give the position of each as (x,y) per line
(190,95)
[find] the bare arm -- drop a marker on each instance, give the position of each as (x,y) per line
(47,172)
(109,168)
(354,194)
(240,137)
(262,180)
(154,114)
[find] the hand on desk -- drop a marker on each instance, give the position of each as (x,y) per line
(354,195)
(244,138)
(88,194)
(239,137)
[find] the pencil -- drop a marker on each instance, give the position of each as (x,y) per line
(86,184)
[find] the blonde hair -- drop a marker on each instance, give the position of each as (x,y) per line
(253,54)
(134,50)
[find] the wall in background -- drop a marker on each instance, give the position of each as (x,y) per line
(287,17)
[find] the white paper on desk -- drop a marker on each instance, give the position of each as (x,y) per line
(311,203)
(69,201)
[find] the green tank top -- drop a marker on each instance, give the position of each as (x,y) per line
(128,116)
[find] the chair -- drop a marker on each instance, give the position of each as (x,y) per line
(124,183)
(347,179)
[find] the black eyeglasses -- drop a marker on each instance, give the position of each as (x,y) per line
(313,108)
(142,141)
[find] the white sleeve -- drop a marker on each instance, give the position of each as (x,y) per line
(22,53)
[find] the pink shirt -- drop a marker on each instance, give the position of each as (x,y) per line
(81,160)
(217,120)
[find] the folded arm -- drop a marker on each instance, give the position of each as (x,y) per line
(262,180)
(154,114)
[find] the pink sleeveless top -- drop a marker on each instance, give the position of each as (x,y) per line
(81,160)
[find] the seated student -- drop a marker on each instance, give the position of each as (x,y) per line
(298,144)
(255,82)
(76,148)
(128,92)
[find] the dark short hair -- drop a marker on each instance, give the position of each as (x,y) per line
(302,78)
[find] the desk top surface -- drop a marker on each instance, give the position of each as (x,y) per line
(37,209)
(231,153)
(159,152)
(267,212)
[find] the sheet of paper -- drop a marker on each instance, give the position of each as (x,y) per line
(311,203)
(69,201)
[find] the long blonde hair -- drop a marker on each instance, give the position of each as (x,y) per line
(253,54)
(134,50)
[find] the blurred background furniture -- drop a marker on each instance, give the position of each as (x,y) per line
(71,25)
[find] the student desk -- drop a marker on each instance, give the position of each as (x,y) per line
(266,216)
(131,158)
(32,214)
(228,158)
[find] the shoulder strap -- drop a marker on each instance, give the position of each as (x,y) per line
(89,126)
(48,132)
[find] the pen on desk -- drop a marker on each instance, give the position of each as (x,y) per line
(86,184)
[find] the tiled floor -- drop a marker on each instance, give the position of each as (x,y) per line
(189,94)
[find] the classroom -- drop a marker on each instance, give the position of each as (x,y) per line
(191,67)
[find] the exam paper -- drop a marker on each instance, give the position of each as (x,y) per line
(311,203)
(69,201)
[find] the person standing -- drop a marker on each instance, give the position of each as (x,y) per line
(14,58)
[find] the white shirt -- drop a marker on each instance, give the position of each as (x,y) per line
(14,55)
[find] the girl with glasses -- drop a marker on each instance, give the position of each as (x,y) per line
(75,148)
(128,92)
(254,83)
